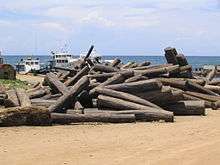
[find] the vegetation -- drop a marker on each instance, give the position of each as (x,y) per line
(9,84)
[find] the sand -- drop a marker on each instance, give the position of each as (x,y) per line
(190,140)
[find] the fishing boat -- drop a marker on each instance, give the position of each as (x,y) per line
(28,64)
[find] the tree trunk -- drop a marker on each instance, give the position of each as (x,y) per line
(23,98)
(103,68)
(12,99)
(58,118)
(31,116)
(65,101)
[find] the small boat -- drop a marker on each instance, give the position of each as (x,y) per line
(28,64)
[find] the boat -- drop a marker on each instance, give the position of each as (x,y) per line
(28,64)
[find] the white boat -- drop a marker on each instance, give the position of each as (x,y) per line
(28,65)
(62,59)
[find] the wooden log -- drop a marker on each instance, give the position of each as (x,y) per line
(104,68)
(65,101)
(181,59)
(34,89)
(125,96)
(214,82)
(12,99)
(152,67)
(89,52)
(173,83)
(67,69)
(170,54)
(115,63)
(85,99)
(136,78)
(37,94)
(208,104)
(64,76)
(55,84)
(52,97)
(140,115)
(58,118)
(145,63)
(211,75)
(191,86)
(78,76)
(127,65)
(78,106)
(23,98)
(203,96)
(42,102)
(213,88)
(74,111)
(162,98)
(31,116)
(101,77)
(188,108)
(135,87)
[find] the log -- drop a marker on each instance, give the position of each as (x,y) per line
(30,116)
(211,75)
(89,52)
(55,84)
(85,99)
(145,63)
(37,94)
(78,106)
(181,59)
(191,86)
(140,115)
(125,96)
(58,118)
(23,98)
(74,111)
(213,88)
(115,63)
(203,96)
(65,101)
(188,108)
(170,54)
(71,70)
(135,87)
(12,99)
(136,78)
(42,102)
(104,68)
(78,76)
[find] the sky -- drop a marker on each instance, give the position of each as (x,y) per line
(116,27)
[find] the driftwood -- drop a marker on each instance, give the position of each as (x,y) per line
(56,85)
(198,88)
(58,118)
(188,108)
(85,99)
(135,87)
(12,99)
(65,101)
(23,98)
(78,76)
(211,75)
(104,68)
(125,96)
(140,115)
(170,54)
(42,102)
(181,59)
(115,63)
(17,116)
(136,78)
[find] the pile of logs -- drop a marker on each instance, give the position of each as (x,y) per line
(113,93)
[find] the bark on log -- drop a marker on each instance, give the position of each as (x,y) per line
(170,54)
(58,118)
(42,102)
(115,63)
(191,86)
(31,116)
(78,76)
(12,99)
(125,96)
(103,68)
(65,101)
(211,75)
(188,108)
(85,99)
(37,94)
(140,115)
(213,88)
(136,78)
(55,84)
(23,98)
(145,63)
(135,87)
(181,59)
(203,96)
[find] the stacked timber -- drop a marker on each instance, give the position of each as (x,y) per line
(113,93)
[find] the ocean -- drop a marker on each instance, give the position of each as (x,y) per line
(195,61)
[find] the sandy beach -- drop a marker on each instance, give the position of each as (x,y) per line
(190,140)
